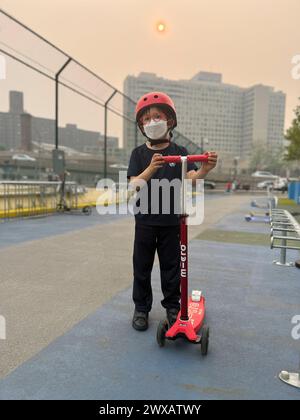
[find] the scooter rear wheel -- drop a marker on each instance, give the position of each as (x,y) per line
(204,340)
(161,332)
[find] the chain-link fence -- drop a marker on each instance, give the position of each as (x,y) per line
(55,102)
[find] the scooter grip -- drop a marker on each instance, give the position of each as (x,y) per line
(190,158)
(172,159)
(197,158)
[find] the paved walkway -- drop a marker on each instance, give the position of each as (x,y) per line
(68,308)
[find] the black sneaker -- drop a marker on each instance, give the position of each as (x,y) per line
(140,320)
(172,314)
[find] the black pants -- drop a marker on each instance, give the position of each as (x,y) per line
(166,240)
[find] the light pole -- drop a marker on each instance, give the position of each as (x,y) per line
(235,167)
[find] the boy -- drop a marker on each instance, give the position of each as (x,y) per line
(156,117)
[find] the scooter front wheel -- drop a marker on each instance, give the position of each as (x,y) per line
(161,333)
(204,340)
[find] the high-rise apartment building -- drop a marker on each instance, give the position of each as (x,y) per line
(229,119)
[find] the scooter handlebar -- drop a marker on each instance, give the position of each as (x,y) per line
(190,158)
(197,158)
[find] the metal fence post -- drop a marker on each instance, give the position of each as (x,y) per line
(105,131)
(56,99)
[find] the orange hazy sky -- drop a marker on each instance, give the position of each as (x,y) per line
(248,41)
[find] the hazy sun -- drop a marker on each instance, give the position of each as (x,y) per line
(161,27)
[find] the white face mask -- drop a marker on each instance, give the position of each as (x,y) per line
(156,129)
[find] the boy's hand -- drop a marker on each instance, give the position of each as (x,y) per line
(156,162)
(212,161)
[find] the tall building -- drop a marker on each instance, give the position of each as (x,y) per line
(222,117)
(26,124)
(264,113)
(19,131)
(16,102)
(11,122)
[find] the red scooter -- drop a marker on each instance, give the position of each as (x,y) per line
(190,318)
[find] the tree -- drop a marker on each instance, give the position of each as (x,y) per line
(293,136)
(257,158)
(263,159)
(274,161)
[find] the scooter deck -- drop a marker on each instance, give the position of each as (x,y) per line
(188,329)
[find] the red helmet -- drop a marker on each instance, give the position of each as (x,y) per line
(155,98)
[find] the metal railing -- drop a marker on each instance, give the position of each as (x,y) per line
(32,198)
(21,199)
(283,222)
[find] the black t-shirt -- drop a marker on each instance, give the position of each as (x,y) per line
(140,159)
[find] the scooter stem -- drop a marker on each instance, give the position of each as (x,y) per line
(183,228)
(183,244)
(184,267)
